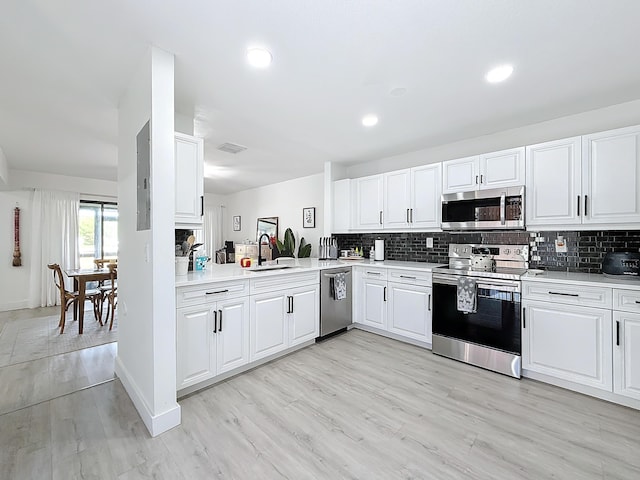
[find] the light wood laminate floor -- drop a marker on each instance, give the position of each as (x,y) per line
(357,406)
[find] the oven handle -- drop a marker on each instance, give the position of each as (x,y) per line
(493,284)
(503,208)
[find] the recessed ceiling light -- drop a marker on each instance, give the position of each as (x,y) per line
(398,91)
(499,74)
(369,120)
(259,57)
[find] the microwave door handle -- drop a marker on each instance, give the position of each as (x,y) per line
(502,208)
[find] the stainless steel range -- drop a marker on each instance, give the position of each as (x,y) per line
(476,306)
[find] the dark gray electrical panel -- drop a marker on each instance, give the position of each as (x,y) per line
(143,143)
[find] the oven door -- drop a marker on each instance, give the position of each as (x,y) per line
(496,323)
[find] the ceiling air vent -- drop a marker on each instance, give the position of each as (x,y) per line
(231,148)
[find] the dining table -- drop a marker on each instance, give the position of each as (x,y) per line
(80,278)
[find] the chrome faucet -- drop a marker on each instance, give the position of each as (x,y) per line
(260,259)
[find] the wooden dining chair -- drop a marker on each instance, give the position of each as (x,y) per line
(110,293)
(102,262)
(68,298)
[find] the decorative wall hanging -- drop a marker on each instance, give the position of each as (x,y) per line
(309,217)
(17,260)
(237,225)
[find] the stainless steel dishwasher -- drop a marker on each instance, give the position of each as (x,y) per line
(335,315)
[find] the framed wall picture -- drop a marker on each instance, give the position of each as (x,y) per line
(309,217)
(237,223)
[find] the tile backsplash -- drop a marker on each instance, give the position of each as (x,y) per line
(585,250)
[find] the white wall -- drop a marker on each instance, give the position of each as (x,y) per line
(608,118)
(4,169)
(14,281)
(50,181)
(146,361)
(284,200)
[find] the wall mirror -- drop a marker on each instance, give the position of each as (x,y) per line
(268,225)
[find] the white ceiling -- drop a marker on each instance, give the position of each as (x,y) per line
(64,64)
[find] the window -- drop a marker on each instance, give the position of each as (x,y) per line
(98,235)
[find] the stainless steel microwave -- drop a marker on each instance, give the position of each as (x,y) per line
(495,209)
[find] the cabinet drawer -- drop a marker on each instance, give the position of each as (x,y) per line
(274,283)
(626,300)
(373,272)
(581,295)
(211,293)
(411,277)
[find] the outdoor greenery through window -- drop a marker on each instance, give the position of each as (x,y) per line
(98,235)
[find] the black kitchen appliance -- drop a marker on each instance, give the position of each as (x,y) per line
(621,263)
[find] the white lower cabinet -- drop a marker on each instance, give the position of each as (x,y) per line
(283,319)
(409,311)
(568,342)
(626,357)
(211,339)
(374,303)
(401,307)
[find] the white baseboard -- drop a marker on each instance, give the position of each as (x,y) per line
(19,305)
(155,423)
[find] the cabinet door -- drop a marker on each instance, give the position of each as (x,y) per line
(397,199)
(341,206)
(568,342)
(268,332)
(426,201)
(375,303)
(502,169)
(460,175)
(553,192)
(626,354)
(195,345)
(233,334)
(304,318)
(369,202)
(409,312)
(189,172)
(611,176)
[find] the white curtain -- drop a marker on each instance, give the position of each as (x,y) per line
(54,231)
(212,236)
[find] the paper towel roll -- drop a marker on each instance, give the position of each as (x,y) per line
(379,250)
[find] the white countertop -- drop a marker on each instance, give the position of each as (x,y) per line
(232,271)
(589,279)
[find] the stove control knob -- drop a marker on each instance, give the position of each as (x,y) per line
(518,252)
(507,251)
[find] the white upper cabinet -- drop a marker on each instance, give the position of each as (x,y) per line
(490,170)
(502,169)
(460,175)
(369,203)
(553,183)
(397,199)
(585,181)
(611,176)
(425,196)
(412,198)
(189,173)
(342,206)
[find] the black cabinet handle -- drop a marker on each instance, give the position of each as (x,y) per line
(408,221)
(429,303)
(215,321)
(481,178)
(524,318)
(411,218)
(384,294)
(578,202)
(408,277)
(617,333)
(585,206)
(476,179)
(380,217)
(564,294)
(637,301)
(201,205)
(291,304)
(217,291)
